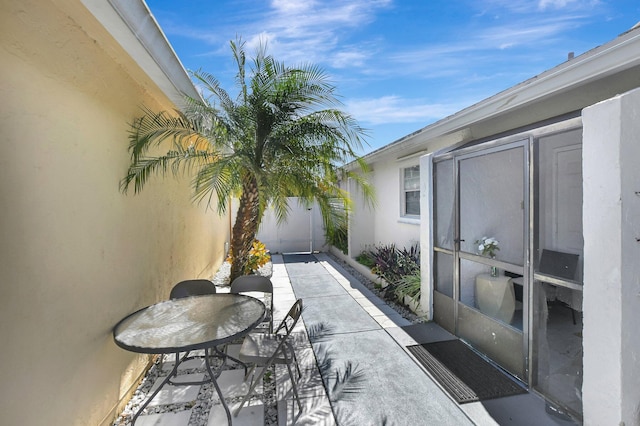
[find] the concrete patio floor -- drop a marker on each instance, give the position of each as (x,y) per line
(351,348)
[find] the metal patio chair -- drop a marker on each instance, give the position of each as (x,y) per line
(264,350)
(257,283)
(188,288)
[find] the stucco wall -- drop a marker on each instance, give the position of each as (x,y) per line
(385,225)
(76,254)
(611,149)
(361,221)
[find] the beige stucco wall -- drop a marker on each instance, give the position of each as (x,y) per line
(76,255)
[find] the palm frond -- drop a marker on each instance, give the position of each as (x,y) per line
(239,55)
(220,178)
(177,161)
(348,382)
(152,129)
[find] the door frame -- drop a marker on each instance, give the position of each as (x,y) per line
(478,326)
(526,138)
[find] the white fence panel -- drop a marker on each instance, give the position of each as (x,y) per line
(301,233)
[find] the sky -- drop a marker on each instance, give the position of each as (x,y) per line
(398,65)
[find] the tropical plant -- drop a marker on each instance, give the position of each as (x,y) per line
(282,136)
(338,238)
(365,258)
(339,234)
(258,257)
(392,264)
(408,285)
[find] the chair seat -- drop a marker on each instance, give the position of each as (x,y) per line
(258,348)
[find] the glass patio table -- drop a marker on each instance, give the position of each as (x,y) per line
(188,324)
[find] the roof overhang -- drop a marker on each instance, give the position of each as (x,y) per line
(132,25)
(594,76)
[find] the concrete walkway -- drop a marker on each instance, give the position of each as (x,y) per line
(355,336)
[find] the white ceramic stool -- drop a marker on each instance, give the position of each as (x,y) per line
(495,296)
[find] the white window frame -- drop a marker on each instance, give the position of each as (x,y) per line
(404,190)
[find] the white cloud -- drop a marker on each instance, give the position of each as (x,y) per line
(314,31)
(525,39)
(560,4)
(394,109)
(292,6)
(531,6)
(526,32)
(311,31)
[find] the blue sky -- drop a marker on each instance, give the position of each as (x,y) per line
(399,65)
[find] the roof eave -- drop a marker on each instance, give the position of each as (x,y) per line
(132,25)
(610,58)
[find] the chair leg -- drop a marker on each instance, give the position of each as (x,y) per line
(252,373)
(294,387)
(161,362)
(295,359)
(252,387)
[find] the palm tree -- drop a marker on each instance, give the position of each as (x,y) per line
(282,136)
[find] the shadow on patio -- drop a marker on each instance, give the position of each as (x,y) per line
(356,370)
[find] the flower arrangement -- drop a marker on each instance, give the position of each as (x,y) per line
(488,246)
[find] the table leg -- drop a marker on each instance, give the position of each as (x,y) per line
(153,395)
(215,384)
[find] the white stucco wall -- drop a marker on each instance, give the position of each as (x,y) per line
(611,211)
(388,225)
(361,221)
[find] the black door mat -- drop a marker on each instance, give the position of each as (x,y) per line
(463,373)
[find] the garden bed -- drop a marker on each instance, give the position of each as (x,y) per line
(375,284)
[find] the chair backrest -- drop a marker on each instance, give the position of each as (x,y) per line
(192,288)
(251,283)
(247,283)
(559,264)
(290,320)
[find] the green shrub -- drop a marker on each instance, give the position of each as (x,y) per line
(338,239)
(365,259)
(338,235)
(393,265)
(258,256)
(409,285)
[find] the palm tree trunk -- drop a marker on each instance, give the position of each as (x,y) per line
(245,227)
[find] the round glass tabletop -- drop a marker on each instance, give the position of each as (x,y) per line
(189,323)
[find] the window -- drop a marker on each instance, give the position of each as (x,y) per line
(411,191)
